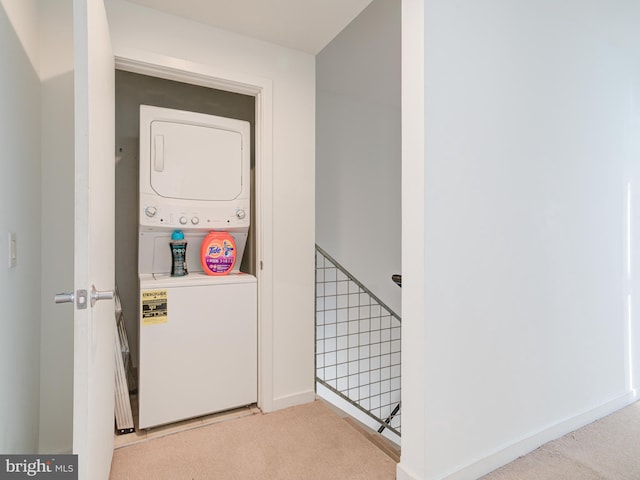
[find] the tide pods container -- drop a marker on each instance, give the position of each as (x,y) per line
(218,253)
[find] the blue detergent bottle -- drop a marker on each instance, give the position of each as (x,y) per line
(178,247)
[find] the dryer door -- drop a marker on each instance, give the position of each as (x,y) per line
(195,162)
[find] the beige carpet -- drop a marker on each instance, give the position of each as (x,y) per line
(308,442)
(608,449)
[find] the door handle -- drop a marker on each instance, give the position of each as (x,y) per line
(158,157)
(100,295)
(80,297)
(64,297)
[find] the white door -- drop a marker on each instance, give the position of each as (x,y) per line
(94,250)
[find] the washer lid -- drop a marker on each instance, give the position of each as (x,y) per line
(195,162)
(156,280)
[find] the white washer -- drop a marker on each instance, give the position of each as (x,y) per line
(198,346)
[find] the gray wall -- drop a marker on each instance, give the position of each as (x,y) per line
(358,149)
(56,364)
(132,90)
(20,213)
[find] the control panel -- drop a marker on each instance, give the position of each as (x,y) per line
(156,213)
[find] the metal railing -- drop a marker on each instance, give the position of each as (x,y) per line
(357,344)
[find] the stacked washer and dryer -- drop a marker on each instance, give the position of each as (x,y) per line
(198,332)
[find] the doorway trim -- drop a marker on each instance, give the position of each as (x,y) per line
(171,68)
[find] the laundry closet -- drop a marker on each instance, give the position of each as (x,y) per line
(195,351)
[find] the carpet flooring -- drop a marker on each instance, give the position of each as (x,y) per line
(307,442)
(313,442)
(608,449)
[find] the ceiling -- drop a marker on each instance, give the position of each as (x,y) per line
(307,25)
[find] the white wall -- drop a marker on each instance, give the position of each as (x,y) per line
(56,388)
(20,214)
(358,149)
(412,460)
(292,74)
(531,142)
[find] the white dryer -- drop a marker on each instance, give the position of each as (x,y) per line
(197,333)
(195,171)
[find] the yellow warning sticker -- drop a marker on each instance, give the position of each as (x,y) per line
(154,307)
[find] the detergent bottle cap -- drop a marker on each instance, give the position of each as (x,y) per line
(177,235)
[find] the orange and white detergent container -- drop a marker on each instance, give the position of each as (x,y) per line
(218,253)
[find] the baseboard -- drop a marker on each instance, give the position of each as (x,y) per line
(527,444)
(287,401)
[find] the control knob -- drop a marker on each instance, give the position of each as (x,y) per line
(183,220)
(150,211)
(240,214)
(195,220)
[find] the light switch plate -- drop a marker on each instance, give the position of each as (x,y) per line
(13,251)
